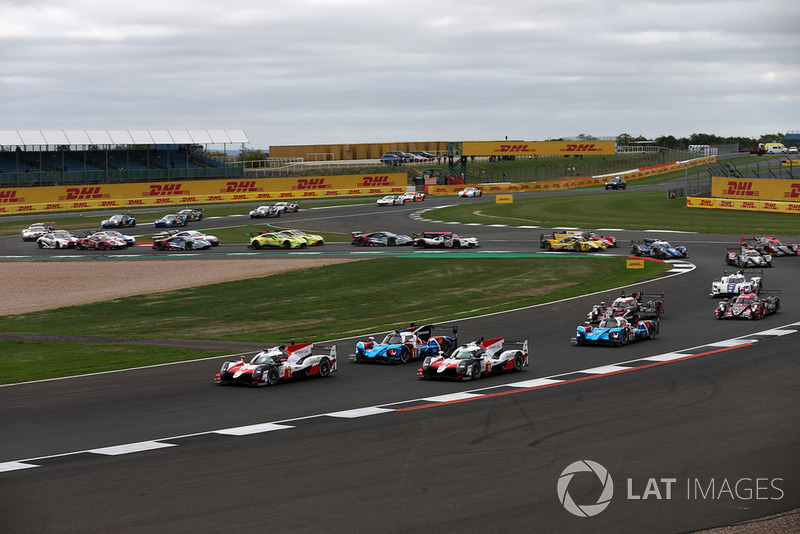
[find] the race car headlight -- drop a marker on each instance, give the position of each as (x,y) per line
(426,363)
(462,366)
(258,372)
(754,307)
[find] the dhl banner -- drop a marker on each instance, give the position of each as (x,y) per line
(537,148)
(61,198)
(755,188)
(790,162)
(743,205)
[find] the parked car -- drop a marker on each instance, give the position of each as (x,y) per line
(118,221)
(470,192)
(792,150)
(616,183)
(392,158)
(275,364)
(426,156)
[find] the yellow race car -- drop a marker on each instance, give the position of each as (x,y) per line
(310,239)
(275,239)
(572,243)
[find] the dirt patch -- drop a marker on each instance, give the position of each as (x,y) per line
(34,286)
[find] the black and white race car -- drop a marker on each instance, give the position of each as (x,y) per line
(746,256)
(733,283)
(274,364)
(443,240)
(476,359)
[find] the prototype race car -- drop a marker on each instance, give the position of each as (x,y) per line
(129,240)
(177,242)
(608,241)
(36,230)
(746,256)
(733,283)
(265,212)
(118,221)
(101,242)
(658,248)
(470,192)
(572,243)
(774,247)
(412,196)
(631,306)
(476,359)
(750,305)
(287,207)
(615,331)
(57,239)
(389,200)
(275,239)
(380,238)
(170,221)
(310,239)
(272,365)
(444,240)
(192,214)
(406,344)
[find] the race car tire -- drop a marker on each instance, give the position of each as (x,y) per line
(101,246)
(456,244)
(547,245)
(40,244)
(287,244)
(189,246)
(159,246)
(446,347)
(476,371)
(359,242)
(405,355)
(651,334)
(272,376)
(324,367)
(256,244)
(391,242)
(518,361)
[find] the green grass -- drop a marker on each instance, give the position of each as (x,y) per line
(635,210)
(310,305)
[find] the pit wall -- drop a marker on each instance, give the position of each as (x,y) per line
(65,198)
(568,183)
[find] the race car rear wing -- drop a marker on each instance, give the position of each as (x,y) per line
(324,350)
(516,345)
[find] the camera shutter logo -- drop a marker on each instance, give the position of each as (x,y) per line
(587,510)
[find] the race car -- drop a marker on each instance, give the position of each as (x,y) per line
(443,240)
(57,239)
(265,212)
(572,243)
(615,331)
(275,239)
(129,240)
(406,344)
(287,207)
(310,239)
(733,283)
(608,241)
(389,200)
(658,248)
(283,362)
(192,214)
(476,359)
(470,192)
(36,230)
(746,256)
(118,221)
(750,305)
(412,196)
(171,221)
(774,247)
(194,234)
(388,239)
(631,306)
(101,242)
(177,242)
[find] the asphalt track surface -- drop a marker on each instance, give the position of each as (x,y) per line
(708,410)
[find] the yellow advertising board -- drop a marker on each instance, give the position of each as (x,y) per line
(768,206)
(635,263)
(755,188)
(537,148)
(504,199)
(61,198)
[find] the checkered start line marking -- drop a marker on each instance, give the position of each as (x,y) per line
(429,402)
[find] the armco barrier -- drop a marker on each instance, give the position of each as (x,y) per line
(64,198)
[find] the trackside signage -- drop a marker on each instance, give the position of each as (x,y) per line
(768,206)
(537,148)
(58,198)
(756,188)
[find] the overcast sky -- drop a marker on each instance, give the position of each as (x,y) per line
(350,71)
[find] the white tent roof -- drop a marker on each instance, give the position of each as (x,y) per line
(121,137)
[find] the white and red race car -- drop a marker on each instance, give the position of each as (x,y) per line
(476,359)
(272,365)
(750,305)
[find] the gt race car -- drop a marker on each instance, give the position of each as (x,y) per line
(283,362)
(476,359)
(310,239)
(412,196)
(170,221)
(36,230)
(389,200)
(118,221)
(658,248)
(631,306)
(570,243)
(176,242)
(57,239)
(750,305)
(275,239)
(615,331)
(287,207)
(746,256)
(406,344)
(129,240)
(470,192)
(388,239)
(262,212)
(443,240)
(101,241)
(194,234)
(192,214)
(732,283)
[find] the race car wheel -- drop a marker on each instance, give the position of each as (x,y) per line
(476,370)
(324,367)
(456,244)
(41,245)
(445,347)
(255,244)
(272,376)
(287,244)
(405,355)
(518,361)
(189,246)
(547,245)
(101,246)
(391,241)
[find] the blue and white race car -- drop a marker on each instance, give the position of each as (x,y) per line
(170,221)
(615,331)
(406,344)
(658,248)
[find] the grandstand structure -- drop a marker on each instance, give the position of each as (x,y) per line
(31,158)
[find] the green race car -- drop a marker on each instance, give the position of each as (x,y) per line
(276,239)
(310,239)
